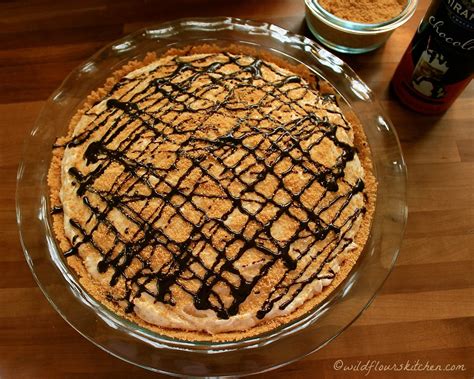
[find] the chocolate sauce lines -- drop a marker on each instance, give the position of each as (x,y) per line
(171,97)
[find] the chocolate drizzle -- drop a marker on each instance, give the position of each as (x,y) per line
(217,164)
(57,209)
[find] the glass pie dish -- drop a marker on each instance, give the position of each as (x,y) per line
(148,349)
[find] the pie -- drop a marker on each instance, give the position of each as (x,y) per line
(212,194)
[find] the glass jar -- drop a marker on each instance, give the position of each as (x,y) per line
(352,37)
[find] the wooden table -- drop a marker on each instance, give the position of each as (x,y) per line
(424,312)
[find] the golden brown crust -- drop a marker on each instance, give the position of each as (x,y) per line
(54,181)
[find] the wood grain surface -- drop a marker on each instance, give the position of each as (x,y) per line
(425,310)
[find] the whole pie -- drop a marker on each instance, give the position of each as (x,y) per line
(212,194)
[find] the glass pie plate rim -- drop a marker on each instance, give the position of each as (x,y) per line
(61,287)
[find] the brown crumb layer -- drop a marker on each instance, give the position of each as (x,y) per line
(364,11)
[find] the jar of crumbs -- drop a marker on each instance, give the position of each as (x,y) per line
(439,62)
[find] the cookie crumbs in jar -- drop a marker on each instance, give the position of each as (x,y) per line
(364,11)
(356,26)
